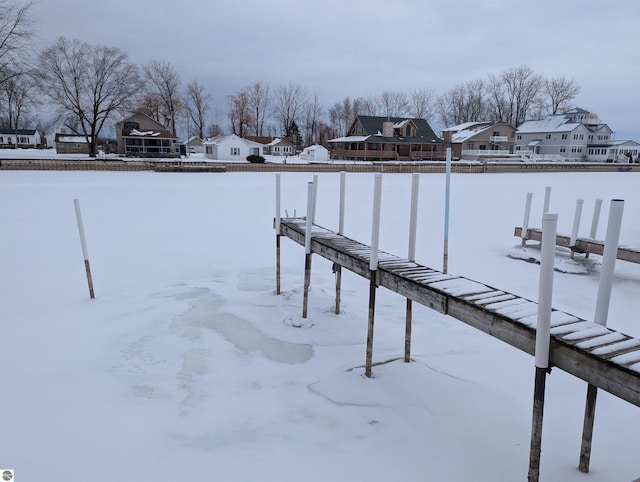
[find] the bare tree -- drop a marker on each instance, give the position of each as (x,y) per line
(393,104)
(422,104)
(463,103)
(89,83)
(151,105)
(289,102)
(239,113)
(313,120)
(259,99)
(197,105)
(166,82)
(559,93)
(15,37)
(16,99)
(515,94)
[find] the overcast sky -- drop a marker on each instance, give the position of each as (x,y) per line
(340,48)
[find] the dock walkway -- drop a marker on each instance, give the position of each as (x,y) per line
(603,357)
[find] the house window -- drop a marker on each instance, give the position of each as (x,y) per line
(564,137)
(496,133)
(209,149)
(470,146)
(563,148)
(548,136)
(235,151)
(519,137)
(407,131)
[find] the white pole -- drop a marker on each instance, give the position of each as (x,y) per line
(278,204)
(343,176)
(576,222)
(85,251)
(545,289)
(525,221)
(413,217)
(307,235)
(315,198)
(547,198)
(375,225)
(445,256)
(609,261)
(596,219)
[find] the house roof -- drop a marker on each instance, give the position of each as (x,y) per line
(223,137)
(552,123)
(373,126)
(20,132)
(70,138)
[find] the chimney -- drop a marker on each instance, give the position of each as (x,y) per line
(387,129)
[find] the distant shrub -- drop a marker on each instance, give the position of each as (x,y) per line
(255,159)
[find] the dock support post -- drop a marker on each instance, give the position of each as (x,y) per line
(594,221)
(525,220)
(602,312)
(373,270)
(277,227)
(445,254)
(338,268)
(547,199)
(576,226)
(85,252)
(307,249)
(413,218)
(545,294)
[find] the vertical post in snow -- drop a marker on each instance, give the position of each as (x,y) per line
(83,242)
(525,220)
(277,227)
(315,198)
(547,199)
(373,269)
(338,268)
(307,250)
(413,219)
(445,255)
(594,222)
(602,311)
(545,294)
(576,226)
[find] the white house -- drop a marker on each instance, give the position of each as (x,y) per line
(315,153)
(19,138)
(576,135)
(231,148)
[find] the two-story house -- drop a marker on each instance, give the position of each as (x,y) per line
(140,136)
(576,135)
(475,139)
(400,139)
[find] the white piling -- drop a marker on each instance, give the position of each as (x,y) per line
(277,226)
(596,218)
(277,204)
(413,216)
(445,255)
(375,224)
(525,220)
(307,235)
(545,292)
(545,289)
(609,261)
(602,312)
(315,198)
(85,251)
(547,199)
(343,176)
(576,222)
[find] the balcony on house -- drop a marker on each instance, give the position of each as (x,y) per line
(499,139)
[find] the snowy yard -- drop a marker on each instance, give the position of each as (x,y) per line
(187,367)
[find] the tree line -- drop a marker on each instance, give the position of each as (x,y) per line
(92,86)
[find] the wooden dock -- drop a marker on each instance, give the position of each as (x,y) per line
(603,357)
(584,245)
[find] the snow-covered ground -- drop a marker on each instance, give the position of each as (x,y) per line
(187,366)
